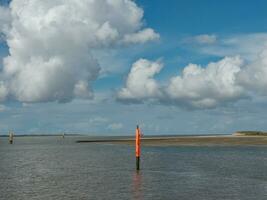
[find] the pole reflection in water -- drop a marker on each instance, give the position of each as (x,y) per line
(137,185)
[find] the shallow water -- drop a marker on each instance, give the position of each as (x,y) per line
(55,168)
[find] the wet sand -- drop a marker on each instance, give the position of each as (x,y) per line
(222,140)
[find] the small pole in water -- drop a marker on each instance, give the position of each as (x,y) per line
(10,137)
(137,147)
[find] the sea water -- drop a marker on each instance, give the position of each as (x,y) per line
(54,168)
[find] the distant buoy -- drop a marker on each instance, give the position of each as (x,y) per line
(11,136)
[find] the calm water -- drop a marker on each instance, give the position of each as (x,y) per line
(53,168)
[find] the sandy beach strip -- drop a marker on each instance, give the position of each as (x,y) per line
(218,140)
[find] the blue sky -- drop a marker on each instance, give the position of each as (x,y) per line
(177,18)
(185,31)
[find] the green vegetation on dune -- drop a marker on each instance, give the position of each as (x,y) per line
(251,133)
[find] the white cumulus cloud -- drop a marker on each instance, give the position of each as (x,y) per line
(140,83)
(205,87)
(51,44)
(141,36)
(253,76)
(196,87)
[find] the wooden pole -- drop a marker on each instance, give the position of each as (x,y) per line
(137,147)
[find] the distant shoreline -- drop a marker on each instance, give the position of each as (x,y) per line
(241,138)
(110,137)
(41,135)
(218,140)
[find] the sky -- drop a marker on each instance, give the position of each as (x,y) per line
(102,67)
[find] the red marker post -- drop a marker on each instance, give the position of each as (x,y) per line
(137,147)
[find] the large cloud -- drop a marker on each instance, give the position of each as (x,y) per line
(206,87)
(198,87)
(51,43)
(254,75)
